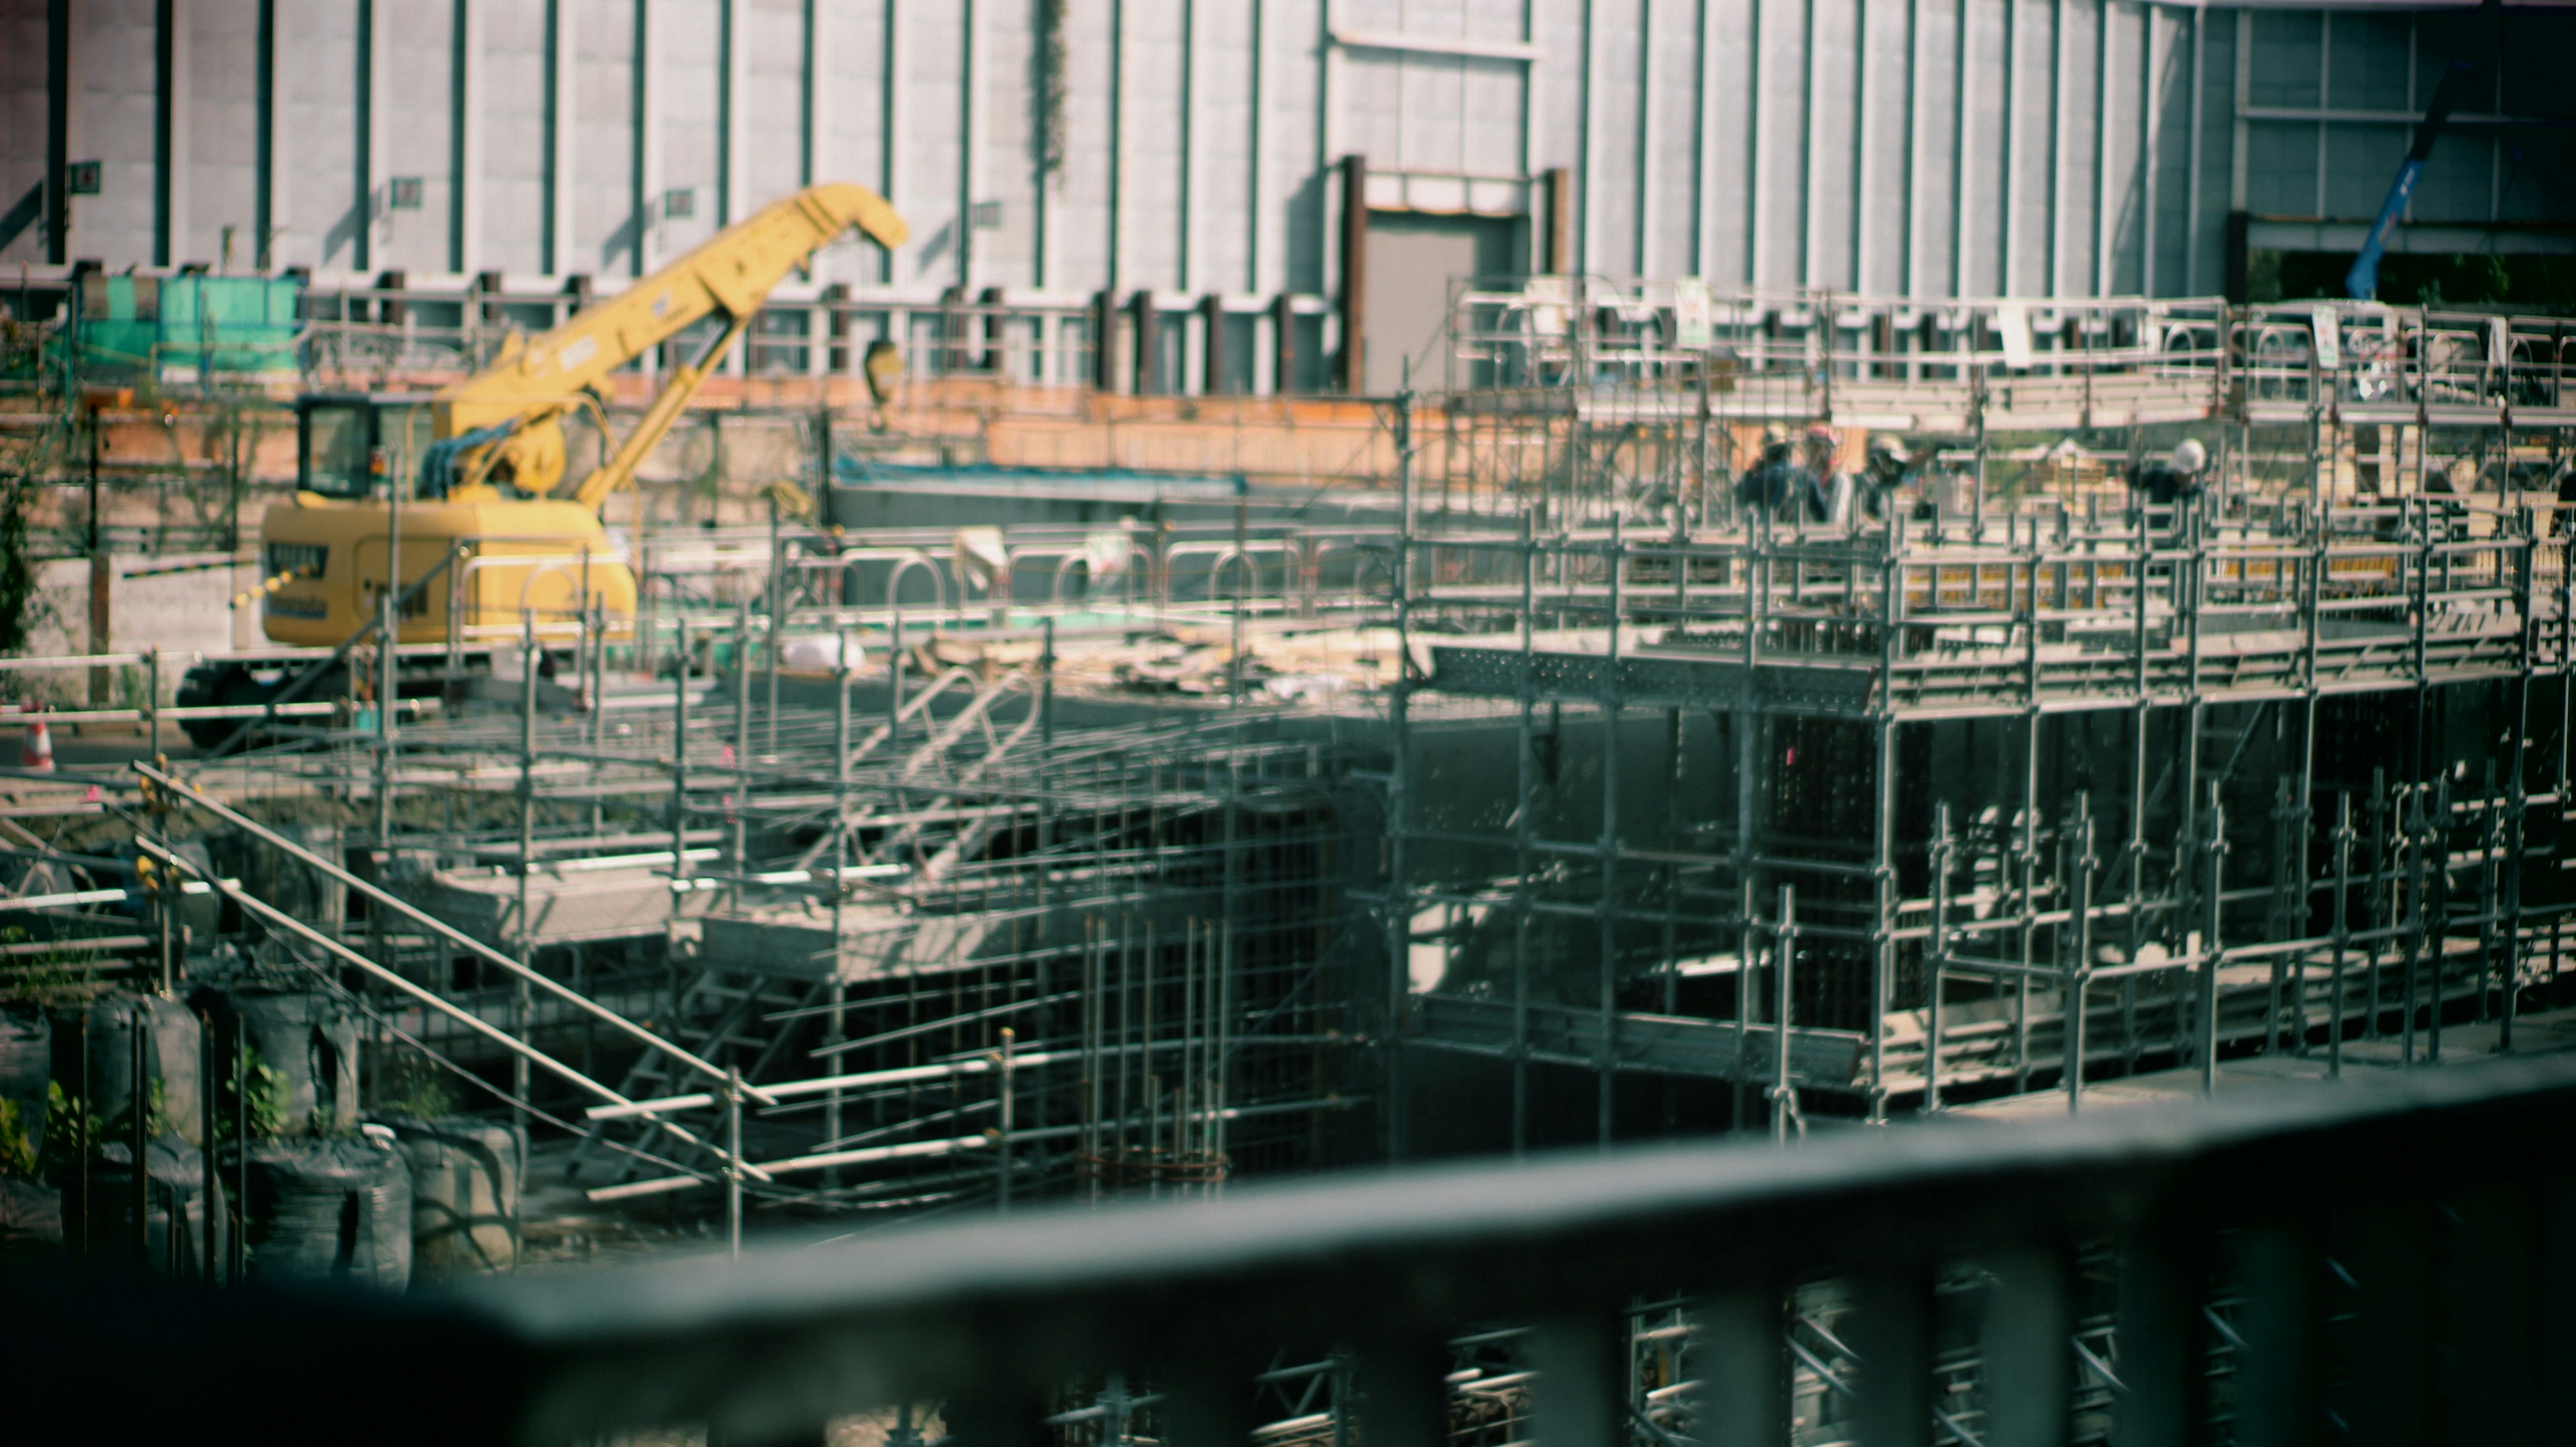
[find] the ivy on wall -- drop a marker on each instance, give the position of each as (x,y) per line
(1048,92)
(17,570)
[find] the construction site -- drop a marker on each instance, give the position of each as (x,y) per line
(513,772)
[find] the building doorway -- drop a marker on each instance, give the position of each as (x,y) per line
(1413,258)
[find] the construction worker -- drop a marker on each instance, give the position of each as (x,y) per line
(2175,480)
(1772,481)
(1882,472)
(2459,479)
(2446,490)
(1829,489)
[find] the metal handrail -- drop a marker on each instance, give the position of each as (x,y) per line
(990,1316)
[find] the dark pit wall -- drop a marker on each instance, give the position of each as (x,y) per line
(2366,746)
(2015,784)
(1460,1105)
(2540,283)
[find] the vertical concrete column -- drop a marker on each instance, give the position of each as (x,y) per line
(1212,379)
(269,205)
(1352,374)
(648,153)
(1146,327)
(59,116)
(810,111)
(1588,137)
(372,63)
(970,139)
(1192,102)
(733,82)
(1105,372)
(994,335)
(1644,154)
(892,130)
(1283,342)
(465,223)
(172,140)
(733,79)
(834,325)
(390,311)
(563,125)
(1255,193)
(1556,234)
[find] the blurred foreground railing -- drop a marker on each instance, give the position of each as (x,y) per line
(2381,1261)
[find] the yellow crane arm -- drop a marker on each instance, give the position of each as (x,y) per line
(730,274)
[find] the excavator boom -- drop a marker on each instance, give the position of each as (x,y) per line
(729,275)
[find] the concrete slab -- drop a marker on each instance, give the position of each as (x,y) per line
(2463,1047)
(880,939)
(565,905)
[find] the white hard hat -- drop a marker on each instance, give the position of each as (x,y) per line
(2189,456)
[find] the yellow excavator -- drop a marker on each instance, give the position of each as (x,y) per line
(476,470)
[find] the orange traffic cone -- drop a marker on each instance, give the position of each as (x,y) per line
(37,752)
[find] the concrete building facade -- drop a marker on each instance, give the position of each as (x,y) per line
(1226,148)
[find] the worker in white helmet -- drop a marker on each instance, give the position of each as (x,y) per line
(1883,470)
(2176,479)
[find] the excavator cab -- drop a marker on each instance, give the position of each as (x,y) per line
(353,446)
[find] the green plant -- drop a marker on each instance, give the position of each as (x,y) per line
(17,565)
(67,1125)
(156,1113)
(1053,54)
(57,975)
(19,1147)
(132,687)
(414,1085)
(260,1109)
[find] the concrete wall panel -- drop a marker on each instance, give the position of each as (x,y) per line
(1152,128)
(928,118)
(2027,200)
(115,122)
(1618,144)
(684,94)
(773,103)
(1937,190)
(606,224)
(1221,136)
(2128,106)
(419,109)
(849,121)
(1832,169)
(511,231)
(2078,135)
(1933,146)
(24,128)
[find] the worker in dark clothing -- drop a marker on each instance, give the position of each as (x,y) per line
(2175,480)
(1881,473)
(1773,482)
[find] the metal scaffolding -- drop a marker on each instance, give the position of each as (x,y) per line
(2013,778)
(944,863)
